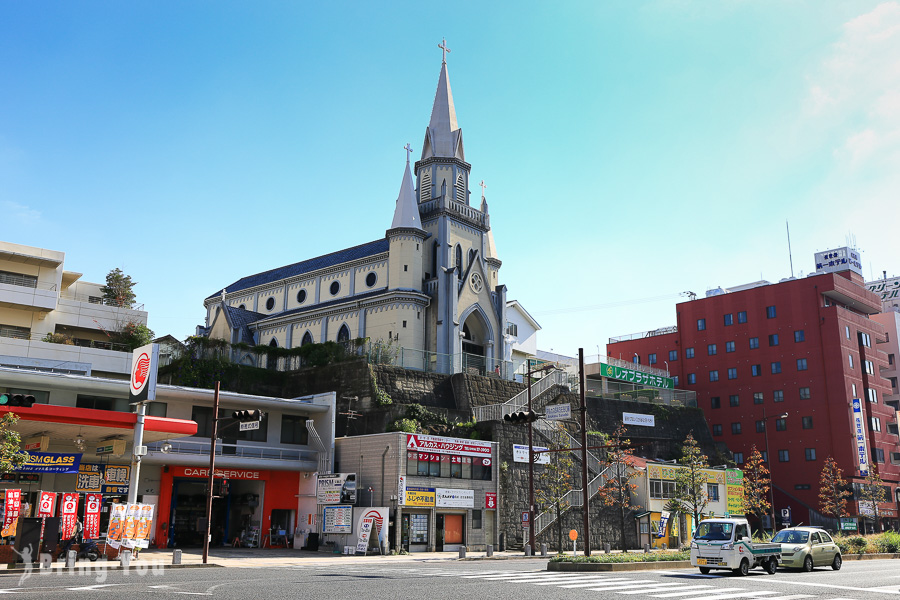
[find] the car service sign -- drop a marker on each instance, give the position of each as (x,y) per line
(144,362)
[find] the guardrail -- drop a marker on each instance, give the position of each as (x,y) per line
(25,281)
(495,412)
(644,334)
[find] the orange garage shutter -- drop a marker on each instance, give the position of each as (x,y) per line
(453,529)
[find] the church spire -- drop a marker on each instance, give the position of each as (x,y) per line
(406,214)
(443,137)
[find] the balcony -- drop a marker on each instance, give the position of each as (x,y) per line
(23,291)
(33,352)
(187,451)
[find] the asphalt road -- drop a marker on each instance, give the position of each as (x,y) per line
(450,579)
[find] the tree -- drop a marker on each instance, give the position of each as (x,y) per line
(691,480)
(756,485)
(134,335)
(616,489)
(833,492)
(872,492)
(119,289)
(11,454)
(555,481)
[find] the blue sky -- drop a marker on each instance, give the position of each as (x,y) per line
(631,150)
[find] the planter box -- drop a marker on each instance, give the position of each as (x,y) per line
(658,565)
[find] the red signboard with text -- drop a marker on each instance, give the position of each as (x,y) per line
(11,514)
(490,500)
(69,514)
(47,504)
(92,516)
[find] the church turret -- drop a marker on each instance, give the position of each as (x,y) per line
(406,237)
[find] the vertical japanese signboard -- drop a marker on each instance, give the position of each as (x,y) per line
(859,433)
(116,526)
(144,361)
(11,513)
(734,491)
(69,514)
(92,516)
(46,504)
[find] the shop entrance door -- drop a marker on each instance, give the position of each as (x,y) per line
(453,532)
(439,534)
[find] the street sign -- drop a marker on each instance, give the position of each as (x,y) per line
(786,516)
(249,425)
(525,519)
(558,412)
(573,535)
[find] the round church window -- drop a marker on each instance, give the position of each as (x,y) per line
(335,288)
(301,296)
(476,282)
(270,303)
(371,278)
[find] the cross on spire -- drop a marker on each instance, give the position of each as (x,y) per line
(482,188)
(444,51)
(408,149)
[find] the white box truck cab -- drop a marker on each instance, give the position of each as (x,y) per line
(726,544)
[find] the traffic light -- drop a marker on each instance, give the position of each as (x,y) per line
(522,417)
(246,415)
(26,400)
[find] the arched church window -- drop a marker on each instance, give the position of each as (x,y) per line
(434,259)
(307,339)
(471,256)
(343,334)
(425,186)
(459,263)
(460,189)
(273,343)
(443,188)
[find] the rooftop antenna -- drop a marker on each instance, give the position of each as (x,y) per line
(790,255)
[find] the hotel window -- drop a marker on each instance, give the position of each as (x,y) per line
(735,428)
(878,455)
(780,424)
(689,353)
(715,402)
(673,355)
(872,395)
(804,393)
(874,423)
(778,396)
(711,350)
(770,312)
(755,370)
(713,375)
(742,316)
(692,378)
(799,336)
(810,454)
(734,400)
(729,319)
(847,331)
(776,367)
(807,422)
(651,359)
(717,430)
(765,456)
(784,456)
(729,346)
(701,324)
(773,339)
(761,426)
(870,367)
(712,490)
(758,397)
(739,458)
(801,364)
(732,373)
(865,340)
(754,343)
(853,390)
(850,360)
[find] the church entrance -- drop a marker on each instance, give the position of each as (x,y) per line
(473,343)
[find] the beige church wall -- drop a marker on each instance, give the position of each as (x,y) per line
(343,278)
(430,323)
(309,285)
(336,321)
(380,321)
(413,335)
(388,320)
(381,273)
(275,293)
(219,329)
(405,264)
(314,326)
(442,173)
(245,300)
(279,333)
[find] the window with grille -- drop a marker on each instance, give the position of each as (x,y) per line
(460,189)
(425,186)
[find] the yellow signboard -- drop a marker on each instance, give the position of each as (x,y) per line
(668,472)
(419,496)
(734,491)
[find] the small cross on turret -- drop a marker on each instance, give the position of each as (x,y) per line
(444,51)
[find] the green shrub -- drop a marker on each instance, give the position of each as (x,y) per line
(889,541)
(621,557)
(404,425)
(842,543)
(857,544)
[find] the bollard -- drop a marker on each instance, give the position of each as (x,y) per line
(502,542)
(462,552)
(606,547)
(70,558)
(543,549)
(125,559)
(646,548)
(46,560)
(665,546)
(176,557)
(527,549)
(490,550)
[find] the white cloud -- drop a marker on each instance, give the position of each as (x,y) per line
(18,213)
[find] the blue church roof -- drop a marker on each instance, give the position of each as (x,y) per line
(242,318)
(307,266)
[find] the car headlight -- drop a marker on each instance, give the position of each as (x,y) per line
(694,546)
(727,546)
(798,548)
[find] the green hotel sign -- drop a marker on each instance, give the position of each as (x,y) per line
(639,377)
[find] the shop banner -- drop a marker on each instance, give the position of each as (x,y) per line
(734,491)
(662,524)
(46,504)
(11,513)
(337,519)
(116,525)
(401,491)
(639,377)
(379,516)
(490,500)
(419,496)
(541,456)
(444,445)
(131,516)
(92,516)
(454,498)
(106,479)
(365,528)
(50,462)
(116,479)
(336,488)
(69,514)
(859,433)
(144,526)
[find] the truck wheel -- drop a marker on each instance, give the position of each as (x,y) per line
(743,569)
(771,565)
(808,564)
(706,570)
(837,562)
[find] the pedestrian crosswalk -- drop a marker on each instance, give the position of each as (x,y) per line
(675,585)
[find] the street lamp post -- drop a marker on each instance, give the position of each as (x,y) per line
(769,461)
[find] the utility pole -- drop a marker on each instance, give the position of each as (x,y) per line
(212,470)
(530,468)
(586,495)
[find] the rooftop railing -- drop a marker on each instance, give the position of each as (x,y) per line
(644,334)
(201,448)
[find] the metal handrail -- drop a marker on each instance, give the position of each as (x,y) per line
(571,499)
(98,300)
(546,430)
(240,450)
(644,334)
(495,412)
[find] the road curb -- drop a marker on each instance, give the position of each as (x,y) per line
(658,565)
(870,556)
(102,566)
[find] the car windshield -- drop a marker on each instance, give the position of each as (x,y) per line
(791,537)
(714,531)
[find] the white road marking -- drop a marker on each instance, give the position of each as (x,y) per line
(562,577)
(833,586)
(741,594)
(658,587)
(583,585)
(92,587)
(578,579)
(685,592)
(617,586)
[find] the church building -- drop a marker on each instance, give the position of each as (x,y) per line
(430,286)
